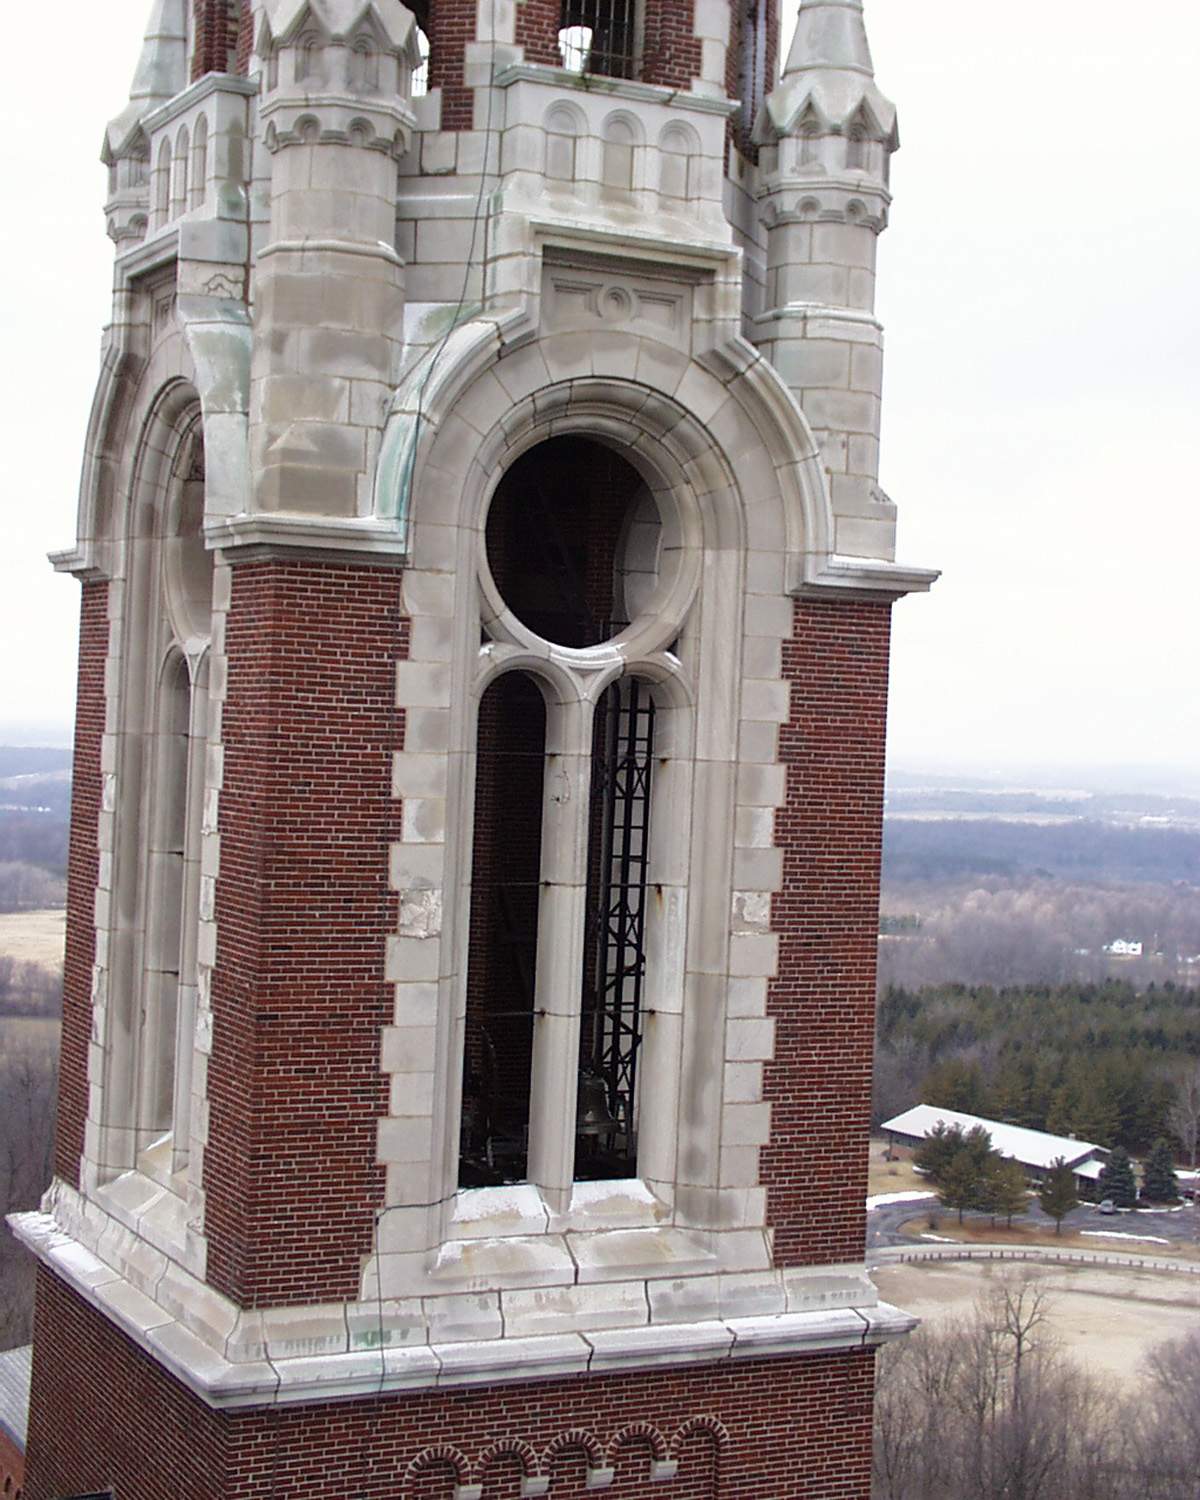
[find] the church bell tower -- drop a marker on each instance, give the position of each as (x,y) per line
(479,763)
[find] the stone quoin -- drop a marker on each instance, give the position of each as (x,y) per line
(479,762)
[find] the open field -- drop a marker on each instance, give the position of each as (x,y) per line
(22,1033)
(1107,1317)
(33,936)
(885,1176)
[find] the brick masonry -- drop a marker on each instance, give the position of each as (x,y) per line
(823,1000)
(752,1430)
(82,872)
(222,39)
(671,53)
(303,910)
(12,1468)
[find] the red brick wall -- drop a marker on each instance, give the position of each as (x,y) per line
(12,1468)
(538,23)
(221,36)
(671,53)
(451,27)
(303,910)
(754,1430)
(82,868)
(823,1002)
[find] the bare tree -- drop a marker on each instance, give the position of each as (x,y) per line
(28,1089)
(1184,1113)
(986,1404)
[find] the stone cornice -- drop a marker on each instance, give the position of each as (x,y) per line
(362,539)
(820,575)
(617,88)
(314,1373)
(196,93)
(77,562)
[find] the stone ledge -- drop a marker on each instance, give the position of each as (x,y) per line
(273,534)
(344,1374)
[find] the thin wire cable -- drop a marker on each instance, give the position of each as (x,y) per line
(478,219)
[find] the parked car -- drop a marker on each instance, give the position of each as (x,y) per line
(1107,1206)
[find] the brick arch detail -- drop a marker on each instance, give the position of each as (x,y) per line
(696,1426)
(575,1439)
(442,1454)
(638,1432)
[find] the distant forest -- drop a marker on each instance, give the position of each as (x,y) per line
(1105,1062)
(35,806)
(1088,849)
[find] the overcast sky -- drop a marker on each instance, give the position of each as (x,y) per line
(1039,287)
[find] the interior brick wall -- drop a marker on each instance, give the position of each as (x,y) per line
(754,1430)
(82,872)
(827,914)
(451,27)
(222,40)
(303,910)
(671,52)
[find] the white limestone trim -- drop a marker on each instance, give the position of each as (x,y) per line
(378,539)
(196,93)
(315,1370)
(615,88)
(76,562)
(821,574)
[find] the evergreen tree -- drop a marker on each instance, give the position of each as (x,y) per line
(1159,1183)
(1117,1180)
(960,1183)
(937,1150)
(943,1143)
(1057,1195)
(1004,1188)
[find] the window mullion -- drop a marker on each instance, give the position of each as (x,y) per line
(561,922)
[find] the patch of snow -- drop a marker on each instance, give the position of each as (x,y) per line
(880,1199)
(942,1239)
(1117,1234)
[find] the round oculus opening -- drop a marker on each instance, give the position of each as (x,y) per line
(575,542)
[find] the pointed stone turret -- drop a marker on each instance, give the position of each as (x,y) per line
(828,134)
(160,74)
(829,69)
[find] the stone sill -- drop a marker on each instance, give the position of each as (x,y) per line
(346,1374)
(616,88)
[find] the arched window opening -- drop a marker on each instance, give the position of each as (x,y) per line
(177,742)
(200,163)
(857,146)
(678,164)
(571,534)
(809,131)
(179,174)
(162,185)
(164,902)
(419,83)
(599,36)
(562,132)
(614,972)
(502,946)
(617,158)
(364,64)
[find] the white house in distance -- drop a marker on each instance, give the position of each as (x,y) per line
(1036,1150)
